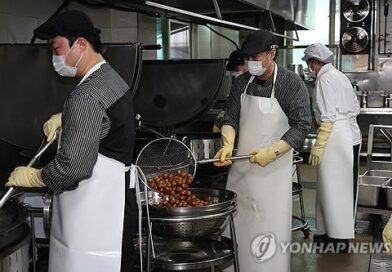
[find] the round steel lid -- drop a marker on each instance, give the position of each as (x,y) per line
(176,92)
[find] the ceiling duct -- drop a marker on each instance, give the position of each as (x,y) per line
(248,15)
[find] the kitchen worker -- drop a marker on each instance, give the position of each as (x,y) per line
(236,65)
(88,175)
(268,110)
(335,108)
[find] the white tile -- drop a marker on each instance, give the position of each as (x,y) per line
(123,19)
(20,29)
(106,35)
(124,35)
(42,9)
(100,17)
(147,22)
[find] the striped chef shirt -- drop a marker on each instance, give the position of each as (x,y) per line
(85,123)
(291,93)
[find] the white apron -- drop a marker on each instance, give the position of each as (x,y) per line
(334,211)
(264,193)
(87,223)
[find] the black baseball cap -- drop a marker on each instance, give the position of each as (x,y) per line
(257,42)
(72,23)
(235,59)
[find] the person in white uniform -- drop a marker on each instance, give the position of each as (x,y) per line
(335,108)
(94,210)
(268,110)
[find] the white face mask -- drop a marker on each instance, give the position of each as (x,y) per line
(256,68)
(63,69)
(236,74)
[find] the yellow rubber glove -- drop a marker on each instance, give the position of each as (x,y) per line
(387,236)
(25,177)
(216,129)
(228,137)
(52,125)
(264,156)
(322,136)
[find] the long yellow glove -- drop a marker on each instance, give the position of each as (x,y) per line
(264,156)
(322,136)
(52,125)
(387,236)
(228,137)
(25,177)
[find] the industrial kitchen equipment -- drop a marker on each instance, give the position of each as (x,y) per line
(171,159)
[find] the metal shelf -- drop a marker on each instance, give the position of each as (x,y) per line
(379,111)
(176,255)
(374,210)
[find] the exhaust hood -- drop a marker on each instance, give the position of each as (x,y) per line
(234,14)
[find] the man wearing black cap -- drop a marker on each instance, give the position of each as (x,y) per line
(268,108)
(94,211)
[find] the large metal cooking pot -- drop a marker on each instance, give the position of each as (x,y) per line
(172,93)
(193,221)
(14,238)
(191,226)
(203,145)
(308,143)
(376,99)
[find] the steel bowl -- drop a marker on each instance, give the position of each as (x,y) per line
(190,226)
(186,222)
(221,198)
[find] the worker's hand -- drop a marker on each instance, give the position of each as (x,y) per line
(216,129)
(222,154)
(228,137)
(52,125)
(25,177)
(264,156)
(322,136)
(387,236)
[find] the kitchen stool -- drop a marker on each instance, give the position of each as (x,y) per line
(299,223)
(296,173)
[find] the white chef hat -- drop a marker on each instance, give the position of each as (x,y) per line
(318,51)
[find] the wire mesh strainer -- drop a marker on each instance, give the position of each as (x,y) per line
(166,156)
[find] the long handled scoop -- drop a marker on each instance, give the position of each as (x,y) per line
(11,190)
(235,158)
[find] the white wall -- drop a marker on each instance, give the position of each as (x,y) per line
(18,18)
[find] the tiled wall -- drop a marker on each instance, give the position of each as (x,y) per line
(18,18)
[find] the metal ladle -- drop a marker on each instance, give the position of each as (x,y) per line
(8,194)
(234,158)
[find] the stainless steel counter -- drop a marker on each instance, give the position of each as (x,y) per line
(378,111)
